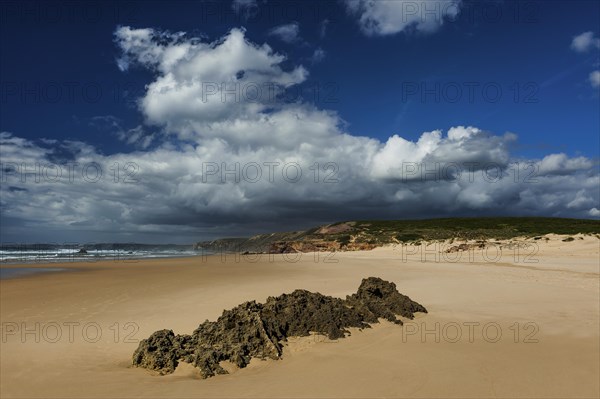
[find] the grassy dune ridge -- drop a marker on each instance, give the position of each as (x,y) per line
(366,234)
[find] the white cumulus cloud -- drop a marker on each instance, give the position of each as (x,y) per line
(585,42)
(595,78)
(388,17)
(318,55)
(288,33)
(224,163)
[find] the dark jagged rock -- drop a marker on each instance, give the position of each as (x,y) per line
(158,352)
(237,336)
(254,330)
(302,312)
(377,298)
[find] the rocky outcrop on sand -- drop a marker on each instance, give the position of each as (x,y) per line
(289,247)
(466,247)
(255,330)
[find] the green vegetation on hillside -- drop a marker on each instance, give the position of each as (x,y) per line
(366,234)
(467,228)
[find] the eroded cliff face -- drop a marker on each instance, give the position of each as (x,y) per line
(284,247)
(254,330)
(330,238)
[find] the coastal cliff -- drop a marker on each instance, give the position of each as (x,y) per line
(366,235)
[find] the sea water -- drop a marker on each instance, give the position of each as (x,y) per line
(51,253)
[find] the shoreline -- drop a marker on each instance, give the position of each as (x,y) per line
(132,259)
(441,245)
(99,261)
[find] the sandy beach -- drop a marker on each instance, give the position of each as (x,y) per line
(523,324)
(285,199)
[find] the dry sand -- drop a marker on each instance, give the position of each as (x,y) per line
(551,298)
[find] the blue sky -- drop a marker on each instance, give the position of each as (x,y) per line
(75,86)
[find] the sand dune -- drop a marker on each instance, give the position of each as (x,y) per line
(511,327)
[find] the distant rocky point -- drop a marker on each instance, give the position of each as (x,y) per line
(255,330)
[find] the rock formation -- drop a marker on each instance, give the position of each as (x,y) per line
(254,330)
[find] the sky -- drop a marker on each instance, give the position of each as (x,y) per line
(184,121)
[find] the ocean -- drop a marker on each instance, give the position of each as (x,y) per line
(61,253)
